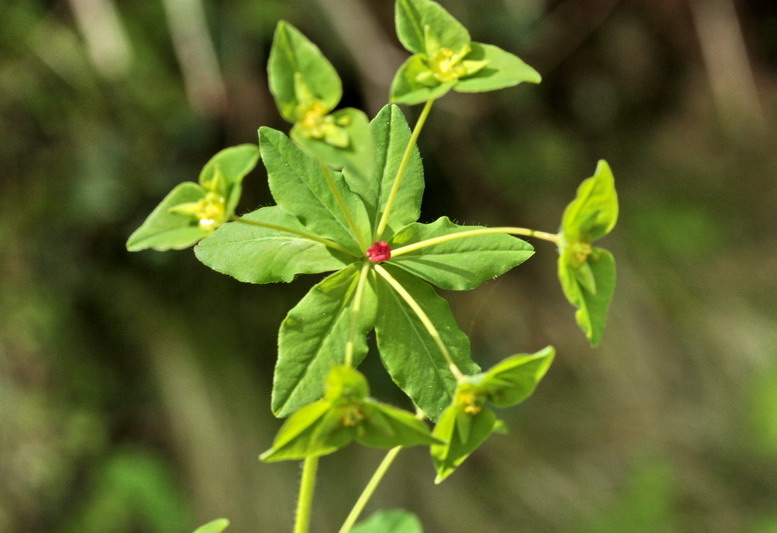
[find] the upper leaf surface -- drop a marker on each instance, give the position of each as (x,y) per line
(393,521)
(298,185)
(458,264)
(263,255)
(299,74)
(594,211)
(409,353)
(502,69)
(312,339)
(421,21)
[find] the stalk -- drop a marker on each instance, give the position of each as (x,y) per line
(552,237)
(344,208)
(356,307)
(305,499)
(311,236)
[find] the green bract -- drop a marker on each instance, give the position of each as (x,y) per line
(306,89)
(192,211)
(346,413)
(446,58)
(215,526)
(586,272)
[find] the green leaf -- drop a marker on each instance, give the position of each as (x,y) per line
(348,143)
(215,526)
(299,74)
(389,521)
(230,166)
(447,457)
(458,264)
(391,134)
(385,426)
(301,435)
(299,186)
(312,339)
(409,353)
(592,307)
(423,25)
(263,255)
(513,380)
(406,89)
(594,211)
(344,383)
(502,69)
(163,230)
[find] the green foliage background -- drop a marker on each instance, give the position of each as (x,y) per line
(134,388)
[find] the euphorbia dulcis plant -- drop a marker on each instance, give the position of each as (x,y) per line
(348,195)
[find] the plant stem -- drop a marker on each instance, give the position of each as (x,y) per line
(346,212)
(369,490)
(356,307)
(305,498)
(313,237)
(402,168)
(552,237)
(423,317)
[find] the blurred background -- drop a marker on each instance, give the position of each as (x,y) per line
(134,388)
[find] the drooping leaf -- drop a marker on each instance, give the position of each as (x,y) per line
(389,521)
(502,69)
(594,211)
(299,74)
(408,351)
(385,426)
(214,526)
(300,435)
(592,307)
(299,186)
(313,336)
(347,142)
(420,21)
(163,230)
(513,380)
(264,255)
(447,457)
(458,264)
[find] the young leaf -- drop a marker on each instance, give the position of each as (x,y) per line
(299,186)
(300,75)
(447,457)
(233,163)
(502,69)
(264,255)
(163,230)
(513,380)
(594,211)
(385,426)
(423,25)
(345,141)
(391,134)
(408,351)
(406,89)
(393,521)
(459,264)
(592,307)
(312,339)
(214,526)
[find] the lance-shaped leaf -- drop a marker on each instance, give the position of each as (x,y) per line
(389,521)
(513,380)
(313,336)
(587,273)
(458,264)
(300,75)
(502,69)
(463,432)
(214,526)
(255,254)
(300,188)
(409,352)
(391,135)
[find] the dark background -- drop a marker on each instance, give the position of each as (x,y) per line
(134,388)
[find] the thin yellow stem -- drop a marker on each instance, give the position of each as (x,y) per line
(552,237)
(402,168)
(310,236)
(423,317)
(341,202)
(356,307)
(305,499)
(369,490)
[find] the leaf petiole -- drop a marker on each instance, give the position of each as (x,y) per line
(552,237)
(311,236)
(305,498)
(423,317)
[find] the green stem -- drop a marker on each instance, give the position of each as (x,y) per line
(423,317)
(552,237)
(305,498)
(356,307)
(402,168)
(341,202)
(311,236)
(369,490)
